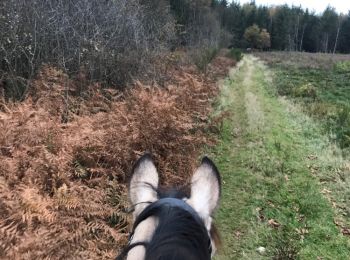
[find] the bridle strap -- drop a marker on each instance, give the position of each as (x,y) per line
(147,212)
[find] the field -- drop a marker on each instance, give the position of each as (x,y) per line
(286,179)
(321,82)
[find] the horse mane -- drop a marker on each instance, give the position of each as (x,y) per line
(180,234)
(185,192)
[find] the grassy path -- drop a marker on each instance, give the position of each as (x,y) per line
(273,206)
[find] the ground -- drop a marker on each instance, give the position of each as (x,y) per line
(273,158)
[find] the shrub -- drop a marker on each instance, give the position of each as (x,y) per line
(235,54)
(109,41)
(339,124)
(342,67)
(202,57)
(307,90)
(320,110)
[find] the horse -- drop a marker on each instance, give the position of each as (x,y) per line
(172,224)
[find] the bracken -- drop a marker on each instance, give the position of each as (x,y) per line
(65,155)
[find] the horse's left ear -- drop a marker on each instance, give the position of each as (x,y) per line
(143,184)
(205,190)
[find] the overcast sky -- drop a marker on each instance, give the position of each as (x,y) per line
(341,6)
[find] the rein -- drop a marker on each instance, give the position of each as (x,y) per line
(150,210)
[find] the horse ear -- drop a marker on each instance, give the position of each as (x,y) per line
(143,184)
(205,190)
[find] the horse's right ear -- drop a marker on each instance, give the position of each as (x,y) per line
(143,184)
(205,190)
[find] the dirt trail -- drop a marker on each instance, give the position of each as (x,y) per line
(273,205)
(254,112)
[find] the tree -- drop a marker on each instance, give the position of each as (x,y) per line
(341,17)
(312,34)
(289,27)
(329,21)
(252,35)
(265,40)
(344,37)
(280,32)
(304,23)
(257,38)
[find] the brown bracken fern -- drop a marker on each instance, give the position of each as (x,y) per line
(65,158)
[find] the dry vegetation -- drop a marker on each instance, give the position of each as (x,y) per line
(111,41)
(302,59)
(65,155)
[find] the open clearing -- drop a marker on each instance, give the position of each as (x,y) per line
(281,184)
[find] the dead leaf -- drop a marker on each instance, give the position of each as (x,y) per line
(302,231)
(273,223)
(345,231)
(238,234)
(312,157)
(260,214)
(325,191)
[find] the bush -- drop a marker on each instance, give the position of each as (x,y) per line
(339,124)
(306,90)
(342,67)
(320,110)
(235,54)
(109,41)
(202,57)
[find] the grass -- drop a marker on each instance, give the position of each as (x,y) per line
(321,83)
(325,95)
(274,205)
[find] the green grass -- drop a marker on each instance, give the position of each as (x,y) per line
(271,195)
(324,93)
(332,86)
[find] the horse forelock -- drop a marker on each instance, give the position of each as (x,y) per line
(169,232)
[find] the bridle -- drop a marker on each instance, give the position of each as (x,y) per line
(147,212)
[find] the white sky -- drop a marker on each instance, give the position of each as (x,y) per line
(341,6)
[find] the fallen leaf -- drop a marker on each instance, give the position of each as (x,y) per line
(261,250)
(273,223)
(238,233)
(302,231)
(325,191)
(345,231)
(260,214)
(312,157)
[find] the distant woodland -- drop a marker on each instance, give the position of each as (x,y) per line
(290,28)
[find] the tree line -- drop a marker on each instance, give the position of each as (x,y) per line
(290,28)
